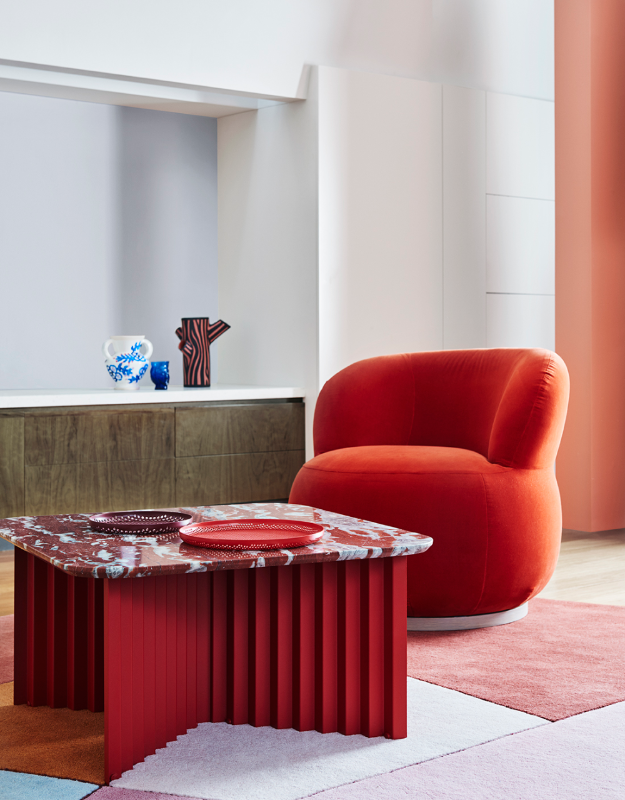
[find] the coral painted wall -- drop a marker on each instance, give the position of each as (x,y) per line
(590,257)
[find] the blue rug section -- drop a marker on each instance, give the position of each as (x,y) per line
(20,786)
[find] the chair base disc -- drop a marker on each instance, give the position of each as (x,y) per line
(467,623)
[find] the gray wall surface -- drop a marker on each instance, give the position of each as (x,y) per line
(108,225)
(168,227)
(58,230)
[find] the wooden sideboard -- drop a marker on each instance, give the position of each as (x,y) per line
(80,459)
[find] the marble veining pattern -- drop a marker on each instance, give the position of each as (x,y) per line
(67,542)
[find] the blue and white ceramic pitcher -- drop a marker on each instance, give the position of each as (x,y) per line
(128,364)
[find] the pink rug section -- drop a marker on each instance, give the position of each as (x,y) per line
(575,759)
(562,659)
(110,793)
(6,648)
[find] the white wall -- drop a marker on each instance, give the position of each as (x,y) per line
(380,217)
(499,220)
(464,217)
(421,249)
(58,241)
(108,223)
(520,222)
(498,45)
(252,46)
(330,230)
(268,247)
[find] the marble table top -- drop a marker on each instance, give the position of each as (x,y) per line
(67,542)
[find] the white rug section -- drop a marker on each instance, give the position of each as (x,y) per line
(232,762)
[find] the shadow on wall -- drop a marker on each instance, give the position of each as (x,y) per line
(499,45)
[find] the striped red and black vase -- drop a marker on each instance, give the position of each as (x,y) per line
(196,335)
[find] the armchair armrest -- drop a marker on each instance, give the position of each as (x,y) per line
(530,419)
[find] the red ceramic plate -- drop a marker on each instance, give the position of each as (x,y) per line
(251,534)
(141,523)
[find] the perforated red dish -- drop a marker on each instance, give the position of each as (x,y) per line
(251,534)
(139,523)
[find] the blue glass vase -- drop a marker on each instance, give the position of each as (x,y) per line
(159,372)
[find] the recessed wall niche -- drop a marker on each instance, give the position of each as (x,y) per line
(108,224)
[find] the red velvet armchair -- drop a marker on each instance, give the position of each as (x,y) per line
(459,445)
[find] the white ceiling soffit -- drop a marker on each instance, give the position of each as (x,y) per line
(120,90)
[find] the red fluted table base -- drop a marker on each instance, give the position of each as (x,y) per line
(312,647)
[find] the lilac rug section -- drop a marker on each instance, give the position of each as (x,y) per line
(110,793)
(6,648)
(578,758)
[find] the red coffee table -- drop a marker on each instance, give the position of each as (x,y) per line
(162,635)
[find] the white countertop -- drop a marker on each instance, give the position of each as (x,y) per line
(47,398)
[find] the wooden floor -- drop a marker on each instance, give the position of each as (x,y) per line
(591,569)
(6,582)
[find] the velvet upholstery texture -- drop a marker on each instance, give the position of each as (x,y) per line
(458,445)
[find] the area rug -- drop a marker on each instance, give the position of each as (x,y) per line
(238,762)
(580,758)
(51,741)
(560,660)
(476,686)
(17,786)
(6,648)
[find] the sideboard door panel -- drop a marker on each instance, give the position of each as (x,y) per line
(245,478)
(87,436)
(245,428)
(11,465)
(100,486)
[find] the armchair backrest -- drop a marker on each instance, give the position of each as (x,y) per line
(507,404)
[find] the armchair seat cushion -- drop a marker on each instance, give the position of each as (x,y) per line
(389,459)
(496,530)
